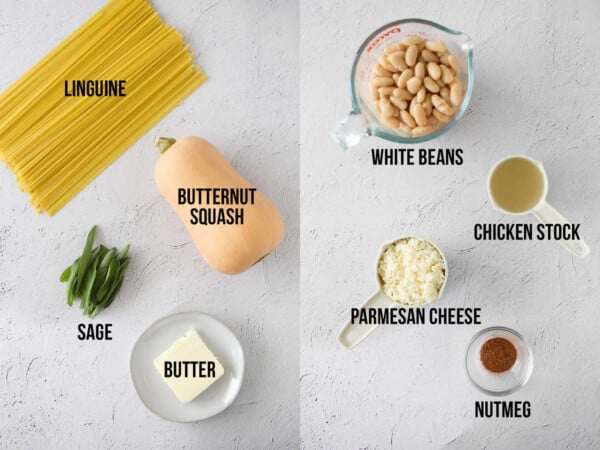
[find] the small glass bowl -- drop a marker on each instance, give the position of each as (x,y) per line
(503,383)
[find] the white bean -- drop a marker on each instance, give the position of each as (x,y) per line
(411,55)
(420,70)
(374,91)
(413,85)
(386,91)
(434,70)
(435,46)
(383,81)
(412,40)
(440,104)
(421,94)
(405,128)
(387,109)
(407,119)
(411,107)
(397,60)
(382,72)
(383,62)
(445,94)
(440,116)
(398,103)
(455,93)
(422,131)
(431,85)
(427,106)
(402,94)
(394,48)
(453,64)
(420,116)
(404,77)
(447,74)
(390,121)
(429,56)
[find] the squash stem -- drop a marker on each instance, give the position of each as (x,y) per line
(163,143)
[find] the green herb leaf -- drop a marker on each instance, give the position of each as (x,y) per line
(96,276)
(113,293)
(66,274)
(85,258)
(109,282)
(88,284)
(124,265)
(116,285)
(71,285)
(108,257)
(95,311)
(123,253)
(105,260)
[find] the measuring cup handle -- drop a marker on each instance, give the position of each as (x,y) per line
(546,214)
(352,333)
(350,131)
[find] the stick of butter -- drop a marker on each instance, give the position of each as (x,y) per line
(188,367)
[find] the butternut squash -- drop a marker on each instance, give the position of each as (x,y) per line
(193,164)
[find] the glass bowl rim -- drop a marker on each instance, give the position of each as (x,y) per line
(529,358)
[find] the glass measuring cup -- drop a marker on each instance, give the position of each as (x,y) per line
(353,333)
(363,120)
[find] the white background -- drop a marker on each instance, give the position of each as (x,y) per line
(58,392)
(536,92)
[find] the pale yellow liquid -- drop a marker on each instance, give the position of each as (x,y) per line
(517,185)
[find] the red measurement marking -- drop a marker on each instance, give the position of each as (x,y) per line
(381,37)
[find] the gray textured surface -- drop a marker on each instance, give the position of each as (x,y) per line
(536,85)
(56,392)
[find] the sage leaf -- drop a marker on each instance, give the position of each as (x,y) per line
(66,274)
(85,258)
(123,253)
(71,285)
(88,284)
(109,282)
(96,276)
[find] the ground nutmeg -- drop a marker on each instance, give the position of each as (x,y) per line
(498,355)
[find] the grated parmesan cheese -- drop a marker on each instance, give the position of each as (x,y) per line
(412,272)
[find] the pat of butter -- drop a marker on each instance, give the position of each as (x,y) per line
(188,367)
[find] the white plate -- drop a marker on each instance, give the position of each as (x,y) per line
(155,393)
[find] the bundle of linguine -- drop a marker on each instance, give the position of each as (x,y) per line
(57,144)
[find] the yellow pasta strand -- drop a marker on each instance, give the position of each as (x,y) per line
(56,145)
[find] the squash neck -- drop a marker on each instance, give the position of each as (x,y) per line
(164,143)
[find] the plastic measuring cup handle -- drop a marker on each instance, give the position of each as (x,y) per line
(546,214)
(350,131)
(352,333)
